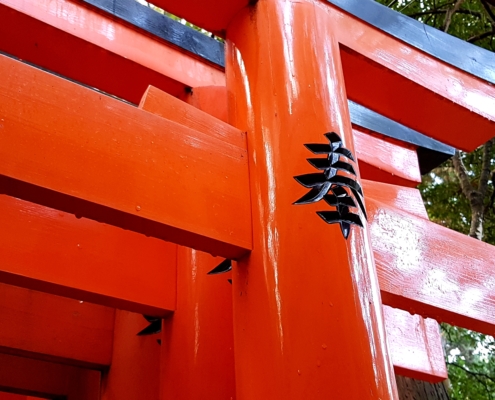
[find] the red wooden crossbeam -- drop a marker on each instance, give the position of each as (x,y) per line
(123,166)
(415,345)
(53,251)
(431,270)
(73,40)
(53,328)
(47,379)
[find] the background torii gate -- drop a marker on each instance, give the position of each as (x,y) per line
(307,312)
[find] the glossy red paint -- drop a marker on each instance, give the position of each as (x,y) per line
(211,99)
(63,35)
(380,159)
(307,311)
(400,197)
(431,270)
(135,368)
(197,341)
(39,243)
(386,160)
(388,76)
(48,380)
(53,328)
(164,105)
(415,345)
(139,169)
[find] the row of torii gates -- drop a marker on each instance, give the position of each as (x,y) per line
(137,155)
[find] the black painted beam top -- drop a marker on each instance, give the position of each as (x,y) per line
(463,55)
(164,28)
(431,152)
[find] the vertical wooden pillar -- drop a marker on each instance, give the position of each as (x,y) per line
(307,311)
(197,359)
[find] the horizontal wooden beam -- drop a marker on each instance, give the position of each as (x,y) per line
(443,103)
(430,270)
(55,252)
(65,40)
(415,345)
(384,161)
(53,328)
(121,165)
(47,379)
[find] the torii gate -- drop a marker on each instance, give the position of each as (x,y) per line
(99,193)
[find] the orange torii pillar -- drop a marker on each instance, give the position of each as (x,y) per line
(308,321)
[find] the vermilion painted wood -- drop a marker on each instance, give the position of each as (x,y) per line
(307,310)
(385,161)
(54,328)
(54,252)
(388,76)
(197,341)
(432,271)
(48,380)
(167,106)
(63,35)
(379,159)
(122,165)
(400,197)
(415,345)
(135,369)
(211,99)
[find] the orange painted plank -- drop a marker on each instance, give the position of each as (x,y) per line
(121,165)
(415,344)
(135,370)
(52,328)
(400,197)
(47,379)
(211,99)
(430,270)
(384,161)
(388,76)
(54,252)
(62,35)
(164,105)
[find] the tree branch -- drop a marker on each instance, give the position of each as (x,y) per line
(486,167)
(462,175)
(481,36)
(476,374)
(449,14)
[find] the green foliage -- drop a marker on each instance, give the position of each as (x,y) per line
(470,355)
(472,22)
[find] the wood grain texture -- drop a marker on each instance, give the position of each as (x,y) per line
(55,252)
(54,328)
(410,389)
(62,143)
(432,271)
(415,345)
(400,197)
(384,161)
